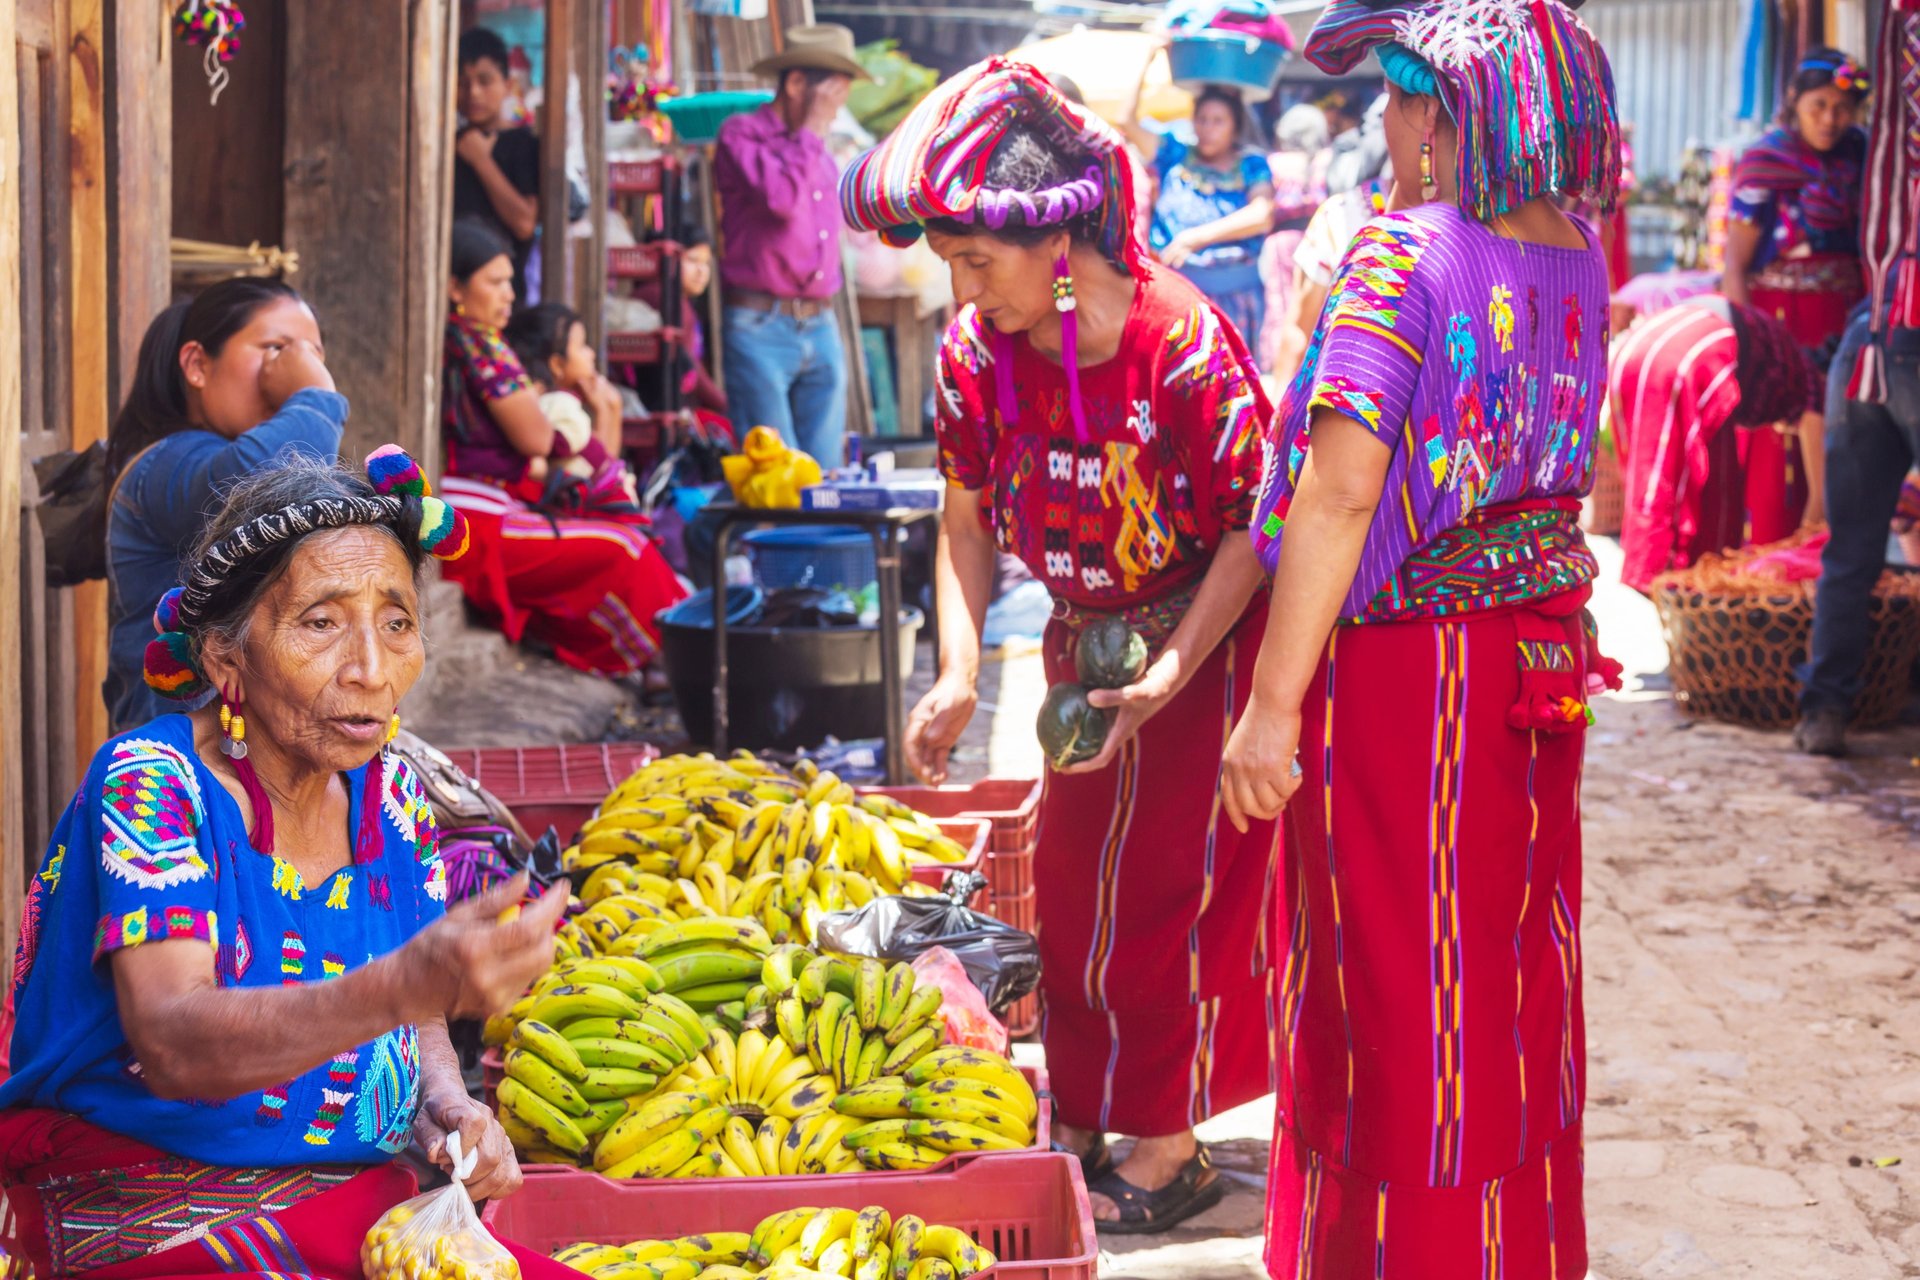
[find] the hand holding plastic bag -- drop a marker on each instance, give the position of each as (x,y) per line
(437,1236)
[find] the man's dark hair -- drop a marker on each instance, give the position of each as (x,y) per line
(815,76)
(484,42)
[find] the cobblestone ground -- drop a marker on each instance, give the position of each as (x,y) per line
(1754,1041)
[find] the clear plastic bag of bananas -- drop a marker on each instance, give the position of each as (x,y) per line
(437,1236)
(795,1244)
(713,1052)
(693,836)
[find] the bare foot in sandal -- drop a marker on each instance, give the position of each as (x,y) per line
(1163,1181)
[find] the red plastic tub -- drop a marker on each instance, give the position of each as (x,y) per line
(553,785)
(1030,1208)
(1012,805)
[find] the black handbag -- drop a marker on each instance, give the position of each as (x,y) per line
(75,492)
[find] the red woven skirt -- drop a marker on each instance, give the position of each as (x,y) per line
(84,1201)
(1158,964)
(1433,1061)
(1812,297)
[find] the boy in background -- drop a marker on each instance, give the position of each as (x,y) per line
(496,168)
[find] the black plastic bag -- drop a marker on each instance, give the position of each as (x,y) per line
(1004,962)
(74,492)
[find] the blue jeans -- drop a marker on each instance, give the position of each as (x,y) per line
(1870,449)
(790,375)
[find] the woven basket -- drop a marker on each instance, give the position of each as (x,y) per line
(1603,511)
(1733,642)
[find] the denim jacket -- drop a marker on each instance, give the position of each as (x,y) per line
(164,500)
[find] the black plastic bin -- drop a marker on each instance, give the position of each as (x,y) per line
(787,687)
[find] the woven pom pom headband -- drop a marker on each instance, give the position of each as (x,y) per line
(172,666)
(1047,207)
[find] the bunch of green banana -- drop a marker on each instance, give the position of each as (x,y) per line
(715,1256)
(590,1039)
(953,1100)
(693,836)
(855,1019)
(861,1244)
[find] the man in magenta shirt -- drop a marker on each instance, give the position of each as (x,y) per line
(780,269)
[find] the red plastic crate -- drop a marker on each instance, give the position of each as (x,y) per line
(1011,804)
(971,832)
(553,785)
(1030,1208)
(637,177)
(639,261)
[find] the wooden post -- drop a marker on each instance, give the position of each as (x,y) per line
(13,854)
(347,156)
(87,193)
(435,31)
(553,151)
(139,177)
(591,296)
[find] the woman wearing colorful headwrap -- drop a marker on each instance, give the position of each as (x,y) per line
(1419,709)
(236,961)
(1100,419)
(1793,252)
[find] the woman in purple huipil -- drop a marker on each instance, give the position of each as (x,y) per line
(1419,708)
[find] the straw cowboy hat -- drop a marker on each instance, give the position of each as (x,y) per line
(818,46)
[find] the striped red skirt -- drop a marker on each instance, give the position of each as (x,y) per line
(1158,966)
(1433,1069)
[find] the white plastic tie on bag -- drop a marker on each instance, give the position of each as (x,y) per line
(463,1163)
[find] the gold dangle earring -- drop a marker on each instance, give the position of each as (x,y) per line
(233,729)
(393,730)
(1429,185)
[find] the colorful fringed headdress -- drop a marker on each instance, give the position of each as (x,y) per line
(934,163)
(401,498)
(1527,85)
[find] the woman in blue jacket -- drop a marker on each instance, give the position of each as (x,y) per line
(231,381)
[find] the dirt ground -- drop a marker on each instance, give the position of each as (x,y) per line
(1754,1041)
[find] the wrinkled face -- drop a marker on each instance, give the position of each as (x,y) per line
(487,295)
(223,391)
(331,649)
(1214,127)
(483,91)
(1010,284)
(696,270)
(1822,115)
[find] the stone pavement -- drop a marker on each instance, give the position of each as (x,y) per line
(1753,1036)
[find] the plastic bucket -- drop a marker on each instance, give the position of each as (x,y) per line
(787,687)
(820,556)
(1226,57)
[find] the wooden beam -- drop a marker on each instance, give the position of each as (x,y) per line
(557,81)
(591,31)
(13,855)
(346,202)
(87,196)
(139,176)
(434,29)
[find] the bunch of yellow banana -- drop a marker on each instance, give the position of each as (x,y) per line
(860,1244)
(394,1251)
(953,1100)
(855,1019)
(781,1120)
(715,1255)
(694,836)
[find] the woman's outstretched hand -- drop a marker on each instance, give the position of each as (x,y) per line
(936,724)
(472,964)
(1259,772)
